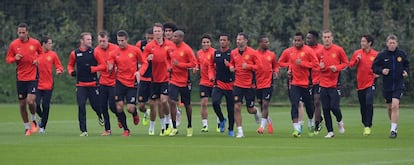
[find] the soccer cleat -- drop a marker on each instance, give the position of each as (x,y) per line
(330,135)
(204,129)
(269,126)
(257,116)
(27,132)
(218,127)
(42,131)
(151,132)
(145,120)
(318,127)
(189,132)
(162,133)
(106,133)
(240,135)
(230,133)
(393,134)
(173,132)
(119,123)
(296,133)
(136,119)
(260,130)
(311,131)
(39,123)
(168,131)
(84,134)
(341,128)
(178,117)
(126,133)
(222,125)
(100,120)
(367,131)
(33,127)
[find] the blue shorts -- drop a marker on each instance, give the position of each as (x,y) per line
(240,93)
(315,89)
(389,95)
(264,94)
(26,87)
(205,91)
(124,93)
(158,89)
(144,91)
(185,94)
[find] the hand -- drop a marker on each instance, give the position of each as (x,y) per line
(175,62)
(289,73)
(137,76)
(34,62)
(59,72)
(73,74)
(150,57)
(231,69)
(195,70)
(226,62)
(275,75)
(385,71)
(359,56)
(333,68)
(18,56)
(110,67)
(322,65)
(298,61)
(376,75)
(405,74)
(244,65)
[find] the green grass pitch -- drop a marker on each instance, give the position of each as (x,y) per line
(62,145)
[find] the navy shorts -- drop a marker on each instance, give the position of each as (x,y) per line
(389,95)
(240,93)
(123,92)
(264,94)
(144,91)
(205,91)
(158,89)
(26,87)
(316,89)
(185,94)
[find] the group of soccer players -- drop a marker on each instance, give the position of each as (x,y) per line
(157,71)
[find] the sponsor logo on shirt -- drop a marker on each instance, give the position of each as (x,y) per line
(386,60)
(79,54)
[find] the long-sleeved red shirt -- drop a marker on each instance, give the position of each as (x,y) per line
(30,49)
(284,57)
(126,60)
(160,62)
(316,72)
(300,72)
(184,55)
(46,61)
(332,56)
(100,67)
(204,58)
(264,76)
(365,75)
(106,78)
(244,77)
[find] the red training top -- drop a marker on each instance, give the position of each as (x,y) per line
(160,62)
(332,56)
(204,58)
(365,75)
(46,61)
(244,77)
(184,55)
(106,78)
(316,72)
(264,76)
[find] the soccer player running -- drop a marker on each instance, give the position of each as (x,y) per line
(145,83)
(393,65)
(106,82)
(169,29)
(46,61)
(204,58)
(264,81)
(182,58)
(126,58)
(244,63)
(333,61)
(24,52)
(87,65)
(312,41)
(223,78)
(362,60)
(157,52)
(300,61)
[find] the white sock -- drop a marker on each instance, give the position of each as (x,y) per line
(26,126)
(296,126)
(152,125)
(204,122)
(310,122)
(168,119)
(341,123)
(300,122)
(218,120)
(240,129)
(394,127)
(264,122)
(162,120)
(33,117)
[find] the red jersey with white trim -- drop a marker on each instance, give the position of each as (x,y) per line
(106,78)
(100,67)
(204,58)
(160,62)
(46,61)
(264,76)
(316,72)
(244,77)
(30,49)
(332,56)
(184,55)
(126,60)
(365,75)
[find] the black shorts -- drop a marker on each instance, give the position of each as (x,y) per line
(264,94)
(316,89)
(389,95)
(158,89)
(26,87)
(123,92)
(144,91)
(185,94)
(240,93)
(205,91)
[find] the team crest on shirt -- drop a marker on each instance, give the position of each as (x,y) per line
(269,58)
(130,55)
(208,57)
(140,98)
(116,97)
(246,57)
(49,58)
(399,59)
(333,55)
(302,54)
(236,97)
(372,58)
(181,54)
(166,48)
(31,47)
(202,93)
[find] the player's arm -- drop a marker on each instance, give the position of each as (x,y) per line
(344,61)
(284,59)
(101,64)
(71,64)
(142,60)
(58,64)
